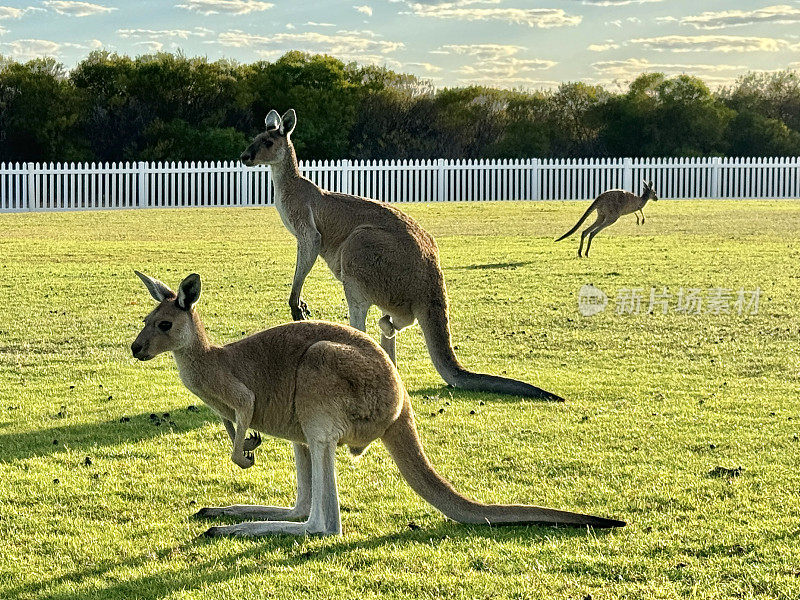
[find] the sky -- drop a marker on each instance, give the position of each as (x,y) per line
(521,44)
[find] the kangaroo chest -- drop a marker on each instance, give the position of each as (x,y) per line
(284,213)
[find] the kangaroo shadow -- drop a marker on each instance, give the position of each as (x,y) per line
(505,265)
(17,446)
(446,392)
(218,569)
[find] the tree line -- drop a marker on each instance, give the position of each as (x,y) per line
(172,107)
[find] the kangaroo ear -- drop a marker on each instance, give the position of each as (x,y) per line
(273,120)
(158,290)
(650,185)
(288,121)
(189,292)
(644,183)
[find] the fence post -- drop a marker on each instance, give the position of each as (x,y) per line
(141,185)
(244,185)
(440,181)
(344,174)
(30,186)
(535,171)
(716,191)
(627,174)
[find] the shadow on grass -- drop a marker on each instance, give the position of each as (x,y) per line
(18,446)
(505,265)
(446,393)
(218,569)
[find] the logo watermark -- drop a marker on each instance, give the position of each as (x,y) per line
(660,300)
(591,300)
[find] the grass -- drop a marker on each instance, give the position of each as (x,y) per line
(655,403)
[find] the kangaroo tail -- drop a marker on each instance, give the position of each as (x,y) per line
(403,443)
(580,221)
(435,327)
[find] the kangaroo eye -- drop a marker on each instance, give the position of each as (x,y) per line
(268,143)
(165,325)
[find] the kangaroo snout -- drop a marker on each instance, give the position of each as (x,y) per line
(137,351)
(247,159)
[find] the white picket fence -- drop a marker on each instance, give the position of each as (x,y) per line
(43,187)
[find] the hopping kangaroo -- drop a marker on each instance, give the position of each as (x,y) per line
(381,256)
(610,206)
(318,385)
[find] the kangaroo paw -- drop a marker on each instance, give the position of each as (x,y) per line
(300,312)
(245,460)
(252,441)
(208,513)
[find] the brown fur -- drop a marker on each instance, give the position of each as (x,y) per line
(610,206)
(317,385)
(381,255)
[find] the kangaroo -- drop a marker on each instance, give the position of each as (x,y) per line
(318,385)
(381,255)
(610,206)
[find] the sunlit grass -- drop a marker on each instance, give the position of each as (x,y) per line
(655,402)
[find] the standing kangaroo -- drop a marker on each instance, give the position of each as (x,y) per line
(610,206)
(318,385)
(381,256)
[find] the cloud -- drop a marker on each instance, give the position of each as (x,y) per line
(425,66)
(464,10)
(481,51)
(77,9)
(497,64)
(315,24)
(628,69)
(616,2)
(714,43)
(621,22)
(29,49)
(609,45)
(231,7)
(510,83)
(506,69)
(779,14)
(90,45)
(359,46)
(9,12)
(364,8)
(155,34)
(151,41)
(151,46)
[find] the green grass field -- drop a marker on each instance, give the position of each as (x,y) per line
(655,403)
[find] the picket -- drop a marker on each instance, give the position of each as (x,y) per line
(70,186)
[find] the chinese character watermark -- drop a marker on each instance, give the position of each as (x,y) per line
(659,299)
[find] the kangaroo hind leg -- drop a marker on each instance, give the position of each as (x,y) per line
(300,510)
(357,306)
(324,517)
(388,337)
(585,232)
(390,325)
(597,230)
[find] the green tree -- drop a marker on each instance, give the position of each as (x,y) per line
(320,88)
(526,130)
(177,140)
(571,118)
(753,134)
(124,97)
(772,95)
(661,116)
(169,107)
(38,111)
